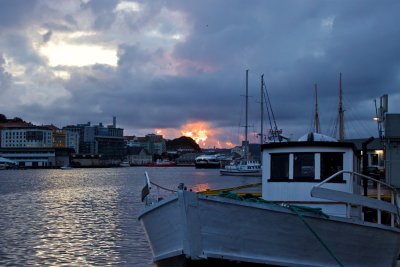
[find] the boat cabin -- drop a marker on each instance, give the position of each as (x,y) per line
(291,170)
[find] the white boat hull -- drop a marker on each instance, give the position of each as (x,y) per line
(193,227)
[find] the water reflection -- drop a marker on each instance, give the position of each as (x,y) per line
(200,187)
(85,217)
(79,218)
(78,226)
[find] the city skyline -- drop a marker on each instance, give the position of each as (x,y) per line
(178,68)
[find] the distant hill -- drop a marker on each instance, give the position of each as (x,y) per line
(3,118)
(183,143)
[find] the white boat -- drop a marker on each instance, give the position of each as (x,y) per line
(7,163)
(245,166)
(312,213)
(66,167)
(242,168)
(124,164)
(213,161)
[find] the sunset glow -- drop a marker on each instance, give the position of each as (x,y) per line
(202,132)
(197,131)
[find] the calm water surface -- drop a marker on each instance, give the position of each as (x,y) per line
(85,217)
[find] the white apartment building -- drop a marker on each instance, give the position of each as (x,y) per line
(26,137)
(72,140)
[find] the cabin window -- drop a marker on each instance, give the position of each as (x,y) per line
(303,166)
(331,163)
(374,159)
(280,166)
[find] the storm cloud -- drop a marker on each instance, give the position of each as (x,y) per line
(164,64)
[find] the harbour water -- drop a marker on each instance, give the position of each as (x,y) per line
(85,217)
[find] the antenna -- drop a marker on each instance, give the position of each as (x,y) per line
(247,105)
(341,112)
(262,110)
(247,114)
(317,129)
(380,114)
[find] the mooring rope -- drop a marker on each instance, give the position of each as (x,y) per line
(164,188)
(296,209)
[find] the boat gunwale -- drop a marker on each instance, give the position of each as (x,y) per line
(275,207)
(151,207)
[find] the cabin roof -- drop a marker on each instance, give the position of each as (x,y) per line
(374,145)
(309,144)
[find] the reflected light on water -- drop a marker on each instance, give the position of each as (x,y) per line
(76,225)
(200,187)
(86,217)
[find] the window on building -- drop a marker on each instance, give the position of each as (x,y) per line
(331,163)
(280,166)
(303,166)
(374,159)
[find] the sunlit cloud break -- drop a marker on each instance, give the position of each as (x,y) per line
(65,54)
(201,132)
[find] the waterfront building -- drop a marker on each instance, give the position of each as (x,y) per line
(20,137)
(187,159)
(130,141)
(72,140)
(37,157)
(375,151)
(106,142)
(64,138)
(59,138)
(138,156)
(153,143)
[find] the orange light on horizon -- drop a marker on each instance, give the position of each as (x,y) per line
(197,131)
(201,132)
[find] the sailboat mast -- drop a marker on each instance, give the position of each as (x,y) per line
(341,112)
(246,126)
(262,110)
(317,129)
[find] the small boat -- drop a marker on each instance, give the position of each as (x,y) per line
(246,166)
(124,164)
(7,164)
(162,163)
(242,168)
(66,168)
(313,212)
(209,161)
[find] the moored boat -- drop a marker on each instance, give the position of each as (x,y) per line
(245,166)
(209,161)
(125,163)
(7,163)
(242,168)
(66,167)
(162,163)
(313,212)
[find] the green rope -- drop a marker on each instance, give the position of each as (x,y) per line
(297,209)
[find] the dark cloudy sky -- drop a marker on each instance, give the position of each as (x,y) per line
(175,67)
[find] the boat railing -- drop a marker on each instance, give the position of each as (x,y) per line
(376,202)
(150,198)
